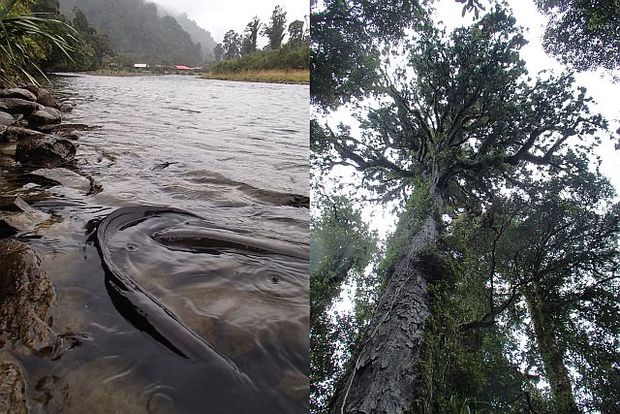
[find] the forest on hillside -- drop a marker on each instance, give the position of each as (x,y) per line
(136,29)
(197,33)
(499,290)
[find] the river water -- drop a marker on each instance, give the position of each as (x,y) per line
(223,285)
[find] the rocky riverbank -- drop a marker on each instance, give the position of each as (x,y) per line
(32,138)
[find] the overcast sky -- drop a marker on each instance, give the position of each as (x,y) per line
(220,16)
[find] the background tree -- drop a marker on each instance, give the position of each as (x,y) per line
(346,41)
(50,7)
(250,37)
(296,33)
(583,34)
(231,45)
(559,254)
(276,28)
(218,52)
(342,246)
(462,121)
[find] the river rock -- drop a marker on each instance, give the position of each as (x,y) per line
(47,151)
(25,298)
(69,135)
(6,119)
(64,177)
(46,98)
(18,93)
(45,116)
(12,389)
(17,216)
(19,106)
(67,127)
(66,107)
(14,134)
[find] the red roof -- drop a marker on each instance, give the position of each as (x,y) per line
(181,67)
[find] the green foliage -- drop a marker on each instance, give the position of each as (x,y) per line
(238,53)
(135,28)
(463,113)
(25,39)
(276,28)
(250,37)
(558,238)
(466,370)
(287,57)
(90,47)
(341,248)
(512,159)
(296,33)
(231,45)
(347,37)
(218,52)
(583,33)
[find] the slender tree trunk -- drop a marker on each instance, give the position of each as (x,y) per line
(384,375)
(552,358)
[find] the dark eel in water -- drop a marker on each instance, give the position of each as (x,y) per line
(148,314)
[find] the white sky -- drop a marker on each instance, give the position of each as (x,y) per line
(220,16)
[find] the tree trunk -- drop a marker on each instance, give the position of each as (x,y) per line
(384,375)
(552,358)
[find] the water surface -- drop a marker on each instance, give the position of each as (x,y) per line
(234,272)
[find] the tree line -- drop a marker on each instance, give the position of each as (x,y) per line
(499,289)
(240,51)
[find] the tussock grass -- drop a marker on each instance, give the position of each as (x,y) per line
(300,76)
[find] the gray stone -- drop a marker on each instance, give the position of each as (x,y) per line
(45,116)
(19,106)
(12,389)
(46,98)
(6,119)
(25,298)
(64,177)
(66,107)
(48,151)
(67,127)
(15,133)
(18,93)
(17,216)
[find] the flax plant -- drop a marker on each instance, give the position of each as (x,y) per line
(21,34)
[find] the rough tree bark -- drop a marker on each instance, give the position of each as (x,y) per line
(384,372)
(552,358)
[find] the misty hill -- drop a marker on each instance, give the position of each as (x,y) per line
(135,28)
(197,33)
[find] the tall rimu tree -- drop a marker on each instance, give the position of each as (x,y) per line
(451,128)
